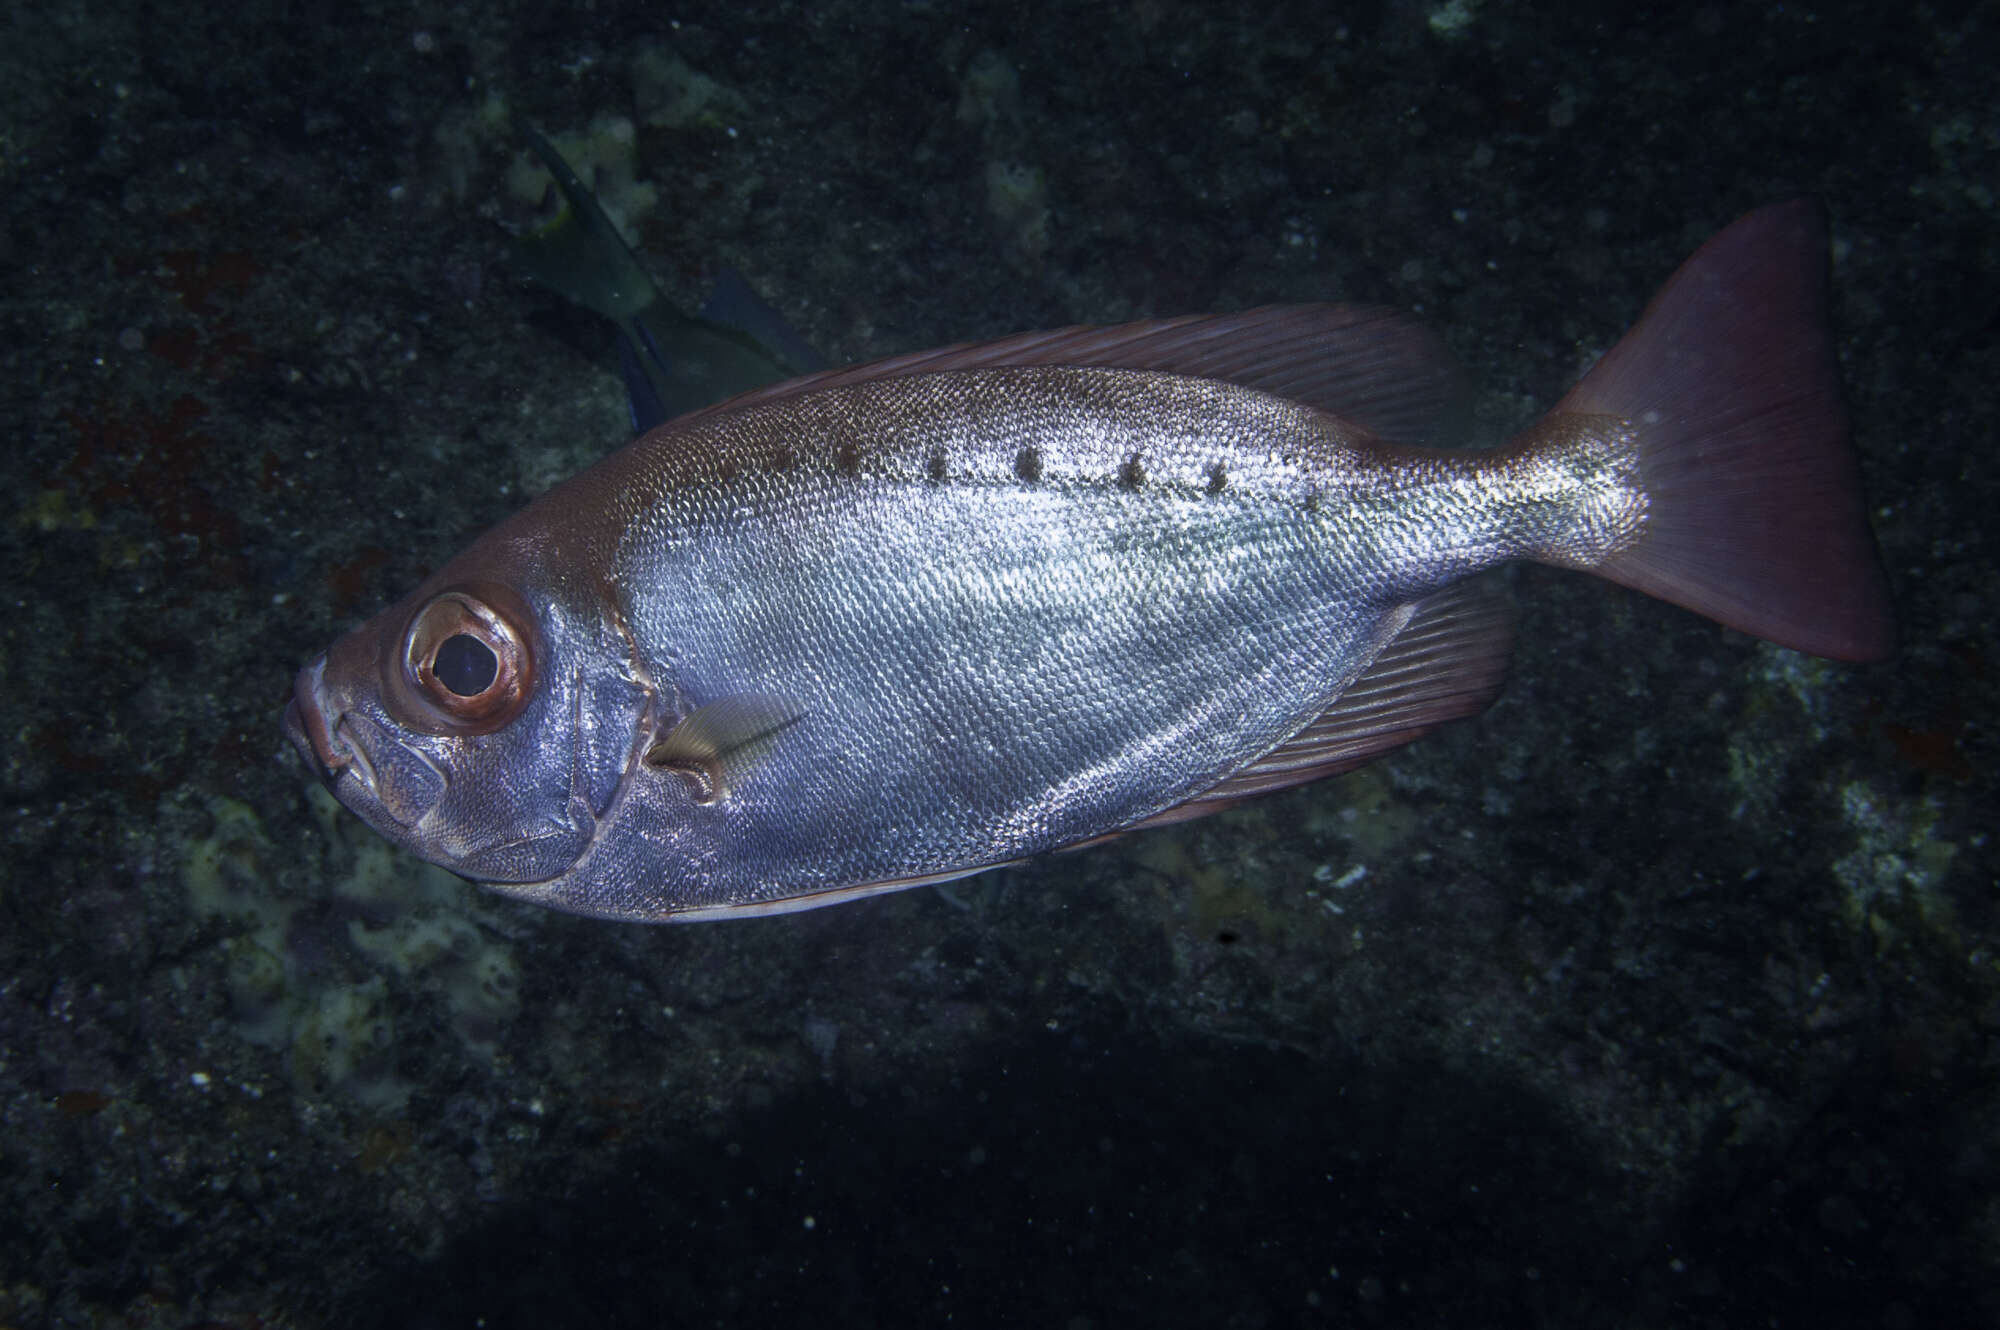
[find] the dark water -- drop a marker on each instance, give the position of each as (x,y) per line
(1667,996)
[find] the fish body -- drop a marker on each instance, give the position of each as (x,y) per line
(899,623)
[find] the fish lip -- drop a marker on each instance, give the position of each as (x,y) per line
(305,721)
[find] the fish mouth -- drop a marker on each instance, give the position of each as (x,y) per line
(305,724)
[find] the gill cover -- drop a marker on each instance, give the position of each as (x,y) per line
(486,723)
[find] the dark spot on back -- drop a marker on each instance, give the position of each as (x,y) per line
(782,460)
(730,471)
(1311,505)
(847,460)
(1028,464)
(934,467)
(1218,477)
(1131,475)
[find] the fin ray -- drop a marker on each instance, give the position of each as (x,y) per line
(1376,368)
(1730,382)
(719,743)
(1447,662)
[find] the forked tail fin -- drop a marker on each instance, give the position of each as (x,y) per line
(1754,514)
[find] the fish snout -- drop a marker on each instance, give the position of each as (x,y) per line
(306,724)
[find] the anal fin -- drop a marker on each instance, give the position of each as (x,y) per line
(1448,662)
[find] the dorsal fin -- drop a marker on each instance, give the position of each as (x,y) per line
(1376,368)
(1446,663)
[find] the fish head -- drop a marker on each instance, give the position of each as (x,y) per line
(486,722)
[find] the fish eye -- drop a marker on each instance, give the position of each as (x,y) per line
(468,662)
(465,665)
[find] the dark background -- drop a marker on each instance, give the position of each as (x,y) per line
(1668,993)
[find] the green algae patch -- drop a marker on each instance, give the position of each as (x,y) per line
(1892,880)
(326,978)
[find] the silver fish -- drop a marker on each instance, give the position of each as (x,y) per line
(901,622)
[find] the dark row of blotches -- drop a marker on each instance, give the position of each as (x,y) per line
(1027,467)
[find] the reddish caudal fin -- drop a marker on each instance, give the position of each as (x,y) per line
(1754,513)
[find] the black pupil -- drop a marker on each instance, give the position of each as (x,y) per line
(465,665)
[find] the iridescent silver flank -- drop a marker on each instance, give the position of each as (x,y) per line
(1018,607)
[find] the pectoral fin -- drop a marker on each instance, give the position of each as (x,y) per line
(717,745)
